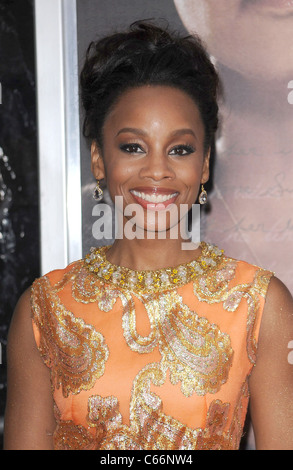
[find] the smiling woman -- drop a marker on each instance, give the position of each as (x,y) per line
(153,154)
(143,345)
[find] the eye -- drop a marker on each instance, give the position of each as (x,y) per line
(182,150)
(131,148)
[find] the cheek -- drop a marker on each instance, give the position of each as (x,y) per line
(117,174)
(191,177)
(191,171)
(203,16)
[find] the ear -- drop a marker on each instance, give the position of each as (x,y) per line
(97,163)
(206,167)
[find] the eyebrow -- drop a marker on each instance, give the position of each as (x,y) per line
(183,132)
(133,130)
(141,132)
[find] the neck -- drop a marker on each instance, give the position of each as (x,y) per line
(145,254)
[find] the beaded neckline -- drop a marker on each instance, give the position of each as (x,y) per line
(151,281)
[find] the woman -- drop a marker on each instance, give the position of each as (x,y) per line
(143,344)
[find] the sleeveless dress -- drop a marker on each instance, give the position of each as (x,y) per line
(150,360)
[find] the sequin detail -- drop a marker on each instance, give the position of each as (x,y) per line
(257,289)
(195,351)
(75,352)
(151,281)
(191,352)
(150,428)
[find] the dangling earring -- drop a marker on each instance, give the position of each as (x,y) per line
(203,197)
(98,192)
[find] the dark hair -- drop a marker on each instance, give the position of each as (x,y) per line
(146,54)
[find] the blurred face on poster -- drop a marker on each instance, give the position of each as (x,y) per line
(253,37)
(251,205)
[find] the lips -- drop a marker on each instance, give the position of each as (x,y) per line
(154,198)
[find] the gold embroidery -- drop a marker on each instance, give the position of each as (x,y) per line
(70,436)
(197,353)
(261,281)
(70,275)
(150,428)
(234,297)
(150,281)
(88,288)
(105,418)
(258,288)
(214,436)
(194,352)
(236,427)
(74,351)
(135,341)
(212,285)
(156,430)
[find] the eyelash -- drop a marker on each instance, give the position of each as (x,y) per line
(125,147)
(187,148)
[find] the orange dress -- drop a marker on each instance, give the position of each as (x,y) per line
(150,360)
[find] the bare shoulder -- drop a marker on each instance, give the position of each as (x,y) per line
(278,311)
(276,330)
(278,293)
(20,330)
(271,381)
(22,352)
(29,418)
(23,305)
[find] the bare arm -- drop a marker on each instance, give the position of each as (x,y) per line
(29,418)
(271,382)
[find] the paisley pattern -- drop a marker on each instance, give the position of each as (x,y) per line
(150,428)
(196,354)
(75,352)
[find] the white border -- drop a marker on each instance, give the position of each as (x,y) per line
(58,133)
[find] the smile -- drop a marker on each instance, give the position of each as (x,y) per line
(154,198)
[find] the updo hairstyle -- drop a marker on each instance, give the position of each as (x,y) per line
(146,54)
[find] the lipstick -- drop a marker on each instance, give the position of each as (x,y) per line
(154,198)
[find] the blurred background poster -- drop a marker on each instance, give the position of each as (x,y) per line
(19,192)
(252,200)
(250,192)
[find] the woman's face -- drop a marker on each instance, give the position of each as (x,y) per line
(253,37)
(153,153)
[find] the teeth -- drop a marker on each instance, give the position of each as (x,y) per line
(153,197)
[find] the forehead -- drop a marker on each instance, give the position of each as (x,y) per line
(154,106)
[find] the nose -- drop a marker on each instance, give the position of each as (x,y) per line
(156,167)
